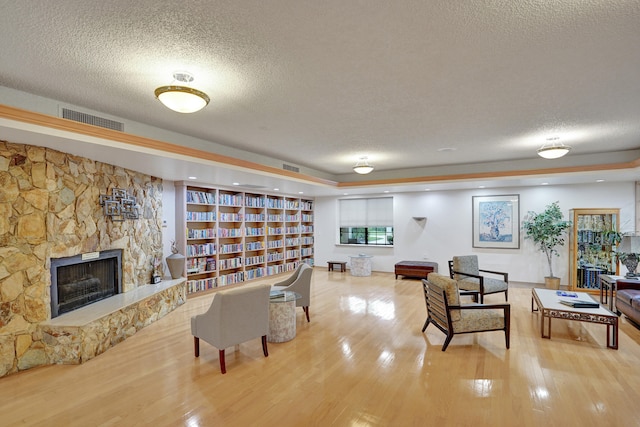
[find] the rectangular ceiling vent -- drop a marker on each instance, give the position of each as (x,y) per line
(290,168)
(89,119)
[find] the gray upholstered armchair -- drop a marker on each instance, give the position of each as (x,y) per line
(445,311)
(300,282)
(465,270)
(235,316)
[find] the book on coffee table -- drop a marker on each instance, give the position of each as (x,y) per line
(580,303)
(567,294)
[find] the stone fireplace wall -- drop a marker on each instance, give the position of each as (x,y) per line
(49,208)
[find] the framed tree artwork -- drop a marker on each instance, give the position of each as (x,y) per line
(496,221)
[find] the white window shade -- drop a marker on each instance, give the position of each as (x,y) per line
(376,212)
(380,212)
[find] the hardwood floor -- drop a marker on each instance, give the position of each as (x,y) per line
(362,361)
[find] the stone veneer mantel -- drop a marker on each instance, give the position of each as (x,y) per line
(82,334)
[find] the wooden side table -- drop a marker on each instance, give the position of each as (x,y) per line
(341,265)
(607,288)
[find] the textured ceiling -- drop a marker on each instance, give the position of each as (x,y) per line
(410,84)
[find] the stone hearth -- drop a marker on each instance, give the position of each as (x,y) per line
(82,334)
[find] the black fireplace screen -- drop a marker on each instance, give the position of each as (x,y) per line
(84,279)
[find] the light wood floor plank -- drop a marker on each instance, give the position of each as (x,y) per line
(362,361)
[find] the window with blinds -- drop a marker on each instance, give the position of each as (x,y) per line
(366,221)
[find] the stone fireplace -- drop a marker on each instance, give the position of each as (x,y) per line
(50,209)
(83,279)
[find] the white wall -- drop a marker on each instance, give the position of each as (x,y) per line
(448,228)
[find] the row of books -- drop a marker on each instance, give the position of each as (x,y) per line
(254,246)
(230,279)
(275,256)
(294,253)
(203,249)
(273,244)
(228,263)
(252,260)
(254,202)
(201,233)
(200,265)
(229,199)
(201,216)
(254,217)
(255,273)
(230,217)
(201,284)
(200,197)
(231,248)
(208,265)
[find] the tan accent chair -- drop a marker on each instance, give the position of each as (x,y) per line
(235,316)
(300,282)
(465,270)
(446,312)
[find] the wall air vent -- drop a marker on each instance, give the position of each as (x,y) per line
(92,120)
(290,168)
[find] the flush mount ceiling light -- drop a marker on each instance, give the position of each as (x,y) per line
(553,149)
(362,166)
(182,99)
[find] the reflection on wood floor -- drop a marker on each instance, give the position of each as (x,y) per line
(362,361)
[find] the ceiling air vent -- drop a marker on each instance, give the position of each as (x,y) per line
(92,120)
(290,168)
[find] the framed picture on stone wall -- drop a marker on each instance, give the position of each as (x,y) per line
(496,221)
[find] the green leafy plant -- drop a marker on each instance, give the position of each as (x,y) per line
(547,229)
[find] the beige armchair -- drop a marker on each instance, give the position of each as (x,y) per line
(300,282)
(446,312)
(235,316)
(470,277)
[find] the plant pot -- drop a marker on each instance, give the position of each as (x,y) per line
(552,282)
(175,262)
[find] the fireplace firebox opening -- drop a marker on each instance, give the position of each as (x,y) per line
(81,280)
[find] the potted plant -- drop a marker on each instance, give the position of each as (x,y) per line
(547,229)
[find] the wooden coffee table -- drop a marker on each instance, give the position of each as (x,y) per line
(548,304)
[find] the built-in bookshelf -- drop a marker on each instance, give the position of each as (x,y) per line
(229,237)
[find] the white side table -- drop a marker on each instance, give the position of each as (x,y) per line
(361,265)
(282,316)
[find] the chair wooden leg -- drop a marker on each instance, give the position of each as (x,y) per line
(306,311)
(426,323)
(223,368)
(196,346)
(264,346)
(507,325)
(447,341)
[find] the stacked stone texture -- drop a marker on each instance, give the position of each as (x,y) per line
(49,208)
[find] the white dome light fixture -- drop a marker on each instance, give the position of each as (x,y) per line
(182,99)
(362,166)
(553,149)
